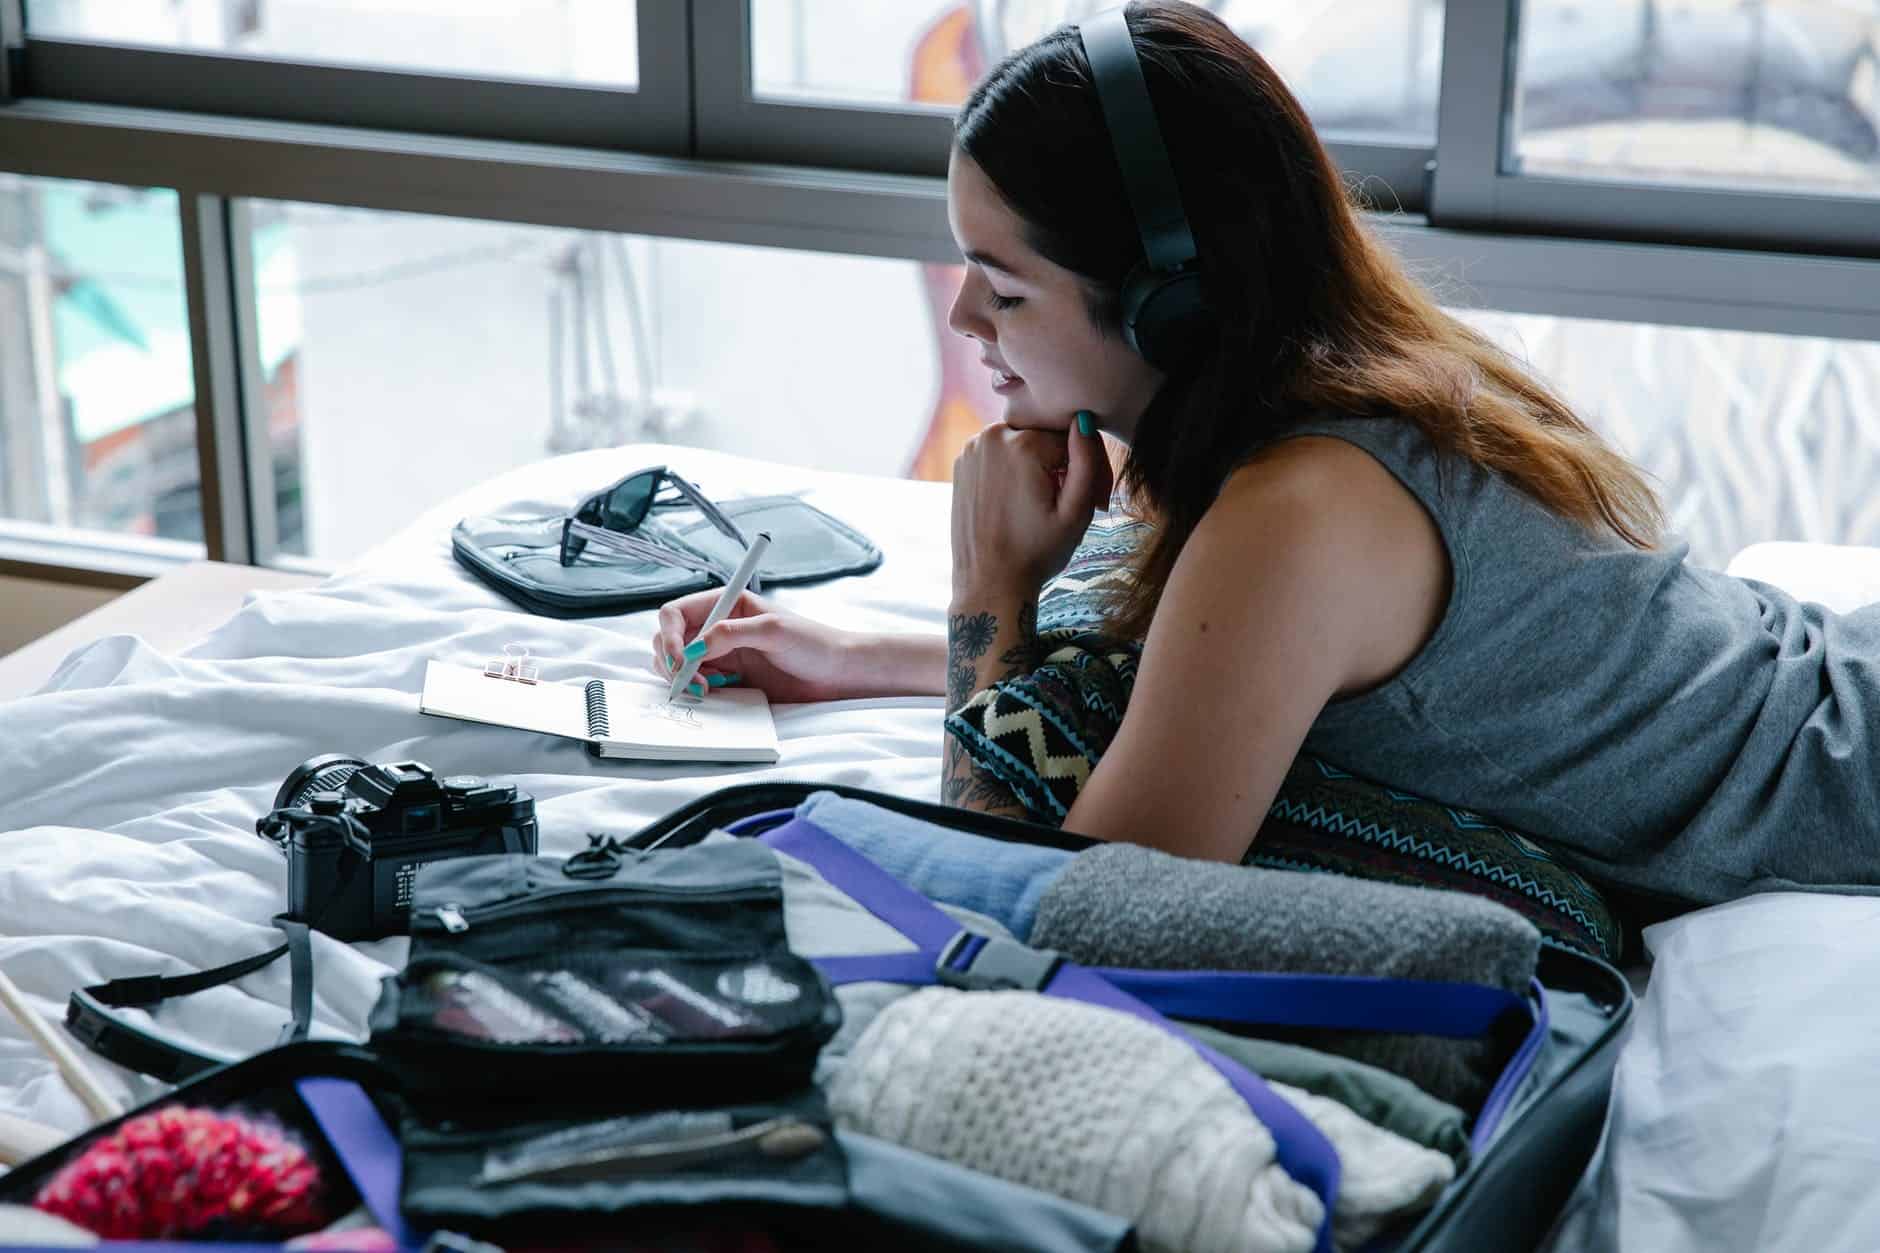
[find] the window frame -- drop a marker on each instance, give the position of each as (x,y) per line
(831,178)
(1474,186)
(734,123)
(653,116)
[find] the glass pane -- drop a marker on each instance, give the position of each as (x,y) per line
(1741,93)
(1370,66)
(1752,437)
(409,357)
(97,392)
(595,42)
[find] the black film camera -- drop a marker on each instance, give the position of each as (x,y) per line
(355,834)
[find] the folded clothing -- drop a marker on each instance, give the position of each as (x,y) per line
(998,878)
(939,1206)
(823,921)
(1375,1095)
(1121,905)
(1112,1111)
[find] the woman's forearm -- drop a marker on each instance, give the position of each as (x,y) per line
(990,636)
(902,665)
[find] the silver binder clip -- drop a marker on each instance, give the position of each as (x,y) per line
(513,664)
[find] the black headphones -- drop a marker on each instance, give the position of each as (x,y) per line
(1166,315)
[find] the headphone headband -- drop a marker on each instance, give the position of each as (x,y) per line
(1129,114)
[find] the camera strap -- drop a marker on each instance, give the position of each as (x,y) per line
(88,1013)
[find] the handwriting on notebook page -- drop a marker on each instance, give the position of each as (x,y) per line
(680,712)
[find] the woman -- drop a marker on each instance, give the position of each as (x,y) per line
(1376,538)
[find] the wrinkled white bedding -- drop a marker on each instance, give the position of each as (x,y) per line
(130,785)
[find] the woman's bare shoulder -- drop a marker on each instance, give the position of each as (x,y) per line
(1352,513)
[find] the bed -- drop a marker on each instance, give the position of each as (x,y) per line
(129,788)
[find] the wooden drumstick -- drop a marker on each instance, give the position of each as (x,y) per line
(21,1139)
(101,1103)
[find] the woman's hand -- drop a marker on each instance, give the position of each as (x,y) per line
(788,657)
(1022,499)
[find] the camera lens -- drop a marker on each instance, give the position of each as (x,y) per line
(326,773)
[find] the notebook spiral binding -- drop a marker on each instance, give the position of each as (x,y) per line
(596,709)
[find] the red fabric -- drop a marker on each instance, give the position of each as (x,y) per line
(183,1172)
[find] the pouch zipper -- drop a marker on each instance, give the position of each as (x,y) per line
(783,1138)
(456,918)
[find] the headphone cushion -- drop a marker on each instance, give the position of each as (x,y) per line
(1167,318)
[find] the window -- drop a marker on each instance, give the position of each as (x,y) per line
(579,41)
(97,393)
(1739,93)
(1751,437)
(774,282)
(1374,69)
(407,357)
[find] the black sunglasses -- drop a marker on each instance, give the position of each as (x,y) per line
(621,508)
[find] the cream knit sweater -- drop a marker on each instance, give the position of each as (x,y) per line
(1107,1109)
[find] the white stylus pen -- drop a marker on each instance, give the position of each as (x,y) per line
(726,599)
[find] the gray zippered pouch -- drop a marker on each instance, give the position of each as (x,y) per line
(521,556)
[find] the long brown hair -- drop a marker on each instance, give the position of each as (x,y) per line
(1316,316)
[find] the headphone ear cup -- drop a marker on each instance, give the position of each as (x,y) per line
(1167,318)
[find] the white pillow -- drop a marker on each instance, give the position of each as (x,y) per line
(1840,576)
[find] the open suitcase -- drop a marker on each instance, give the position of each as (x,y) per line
(1512,1190)
(1507,1197)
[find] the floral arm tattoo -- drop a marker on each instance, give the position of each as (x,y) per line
(971,639)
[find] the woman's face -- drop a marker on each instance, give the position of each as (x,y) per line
(1030,316)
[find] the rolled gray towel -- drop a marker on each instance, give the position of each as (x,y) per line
(1124,905)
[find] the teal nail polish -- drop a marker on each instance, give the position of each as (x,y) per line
(695,689)
(718,680)
(1086,423)
(672,663)
(695,650)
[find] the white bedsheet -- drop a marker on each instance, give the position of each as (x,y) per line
(130,785)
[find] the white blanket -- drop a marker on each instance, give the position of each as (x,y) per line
(130,785)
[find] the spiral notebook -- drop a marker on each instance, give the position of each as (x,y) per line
(616,717)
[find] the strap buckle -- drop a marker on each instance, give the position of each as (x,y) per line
(977,963)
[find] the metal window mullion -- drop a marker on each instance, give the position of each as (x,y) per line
(12,49)
(214,343)
(257,442)
(664,96)
(1479,50)
(721,73)
(1731,217)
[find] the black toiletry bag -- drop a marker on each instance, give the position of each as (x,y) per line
(533,979)
(620,1032)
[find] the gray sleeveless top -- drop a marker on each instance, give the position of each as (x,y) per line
(1666,727)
